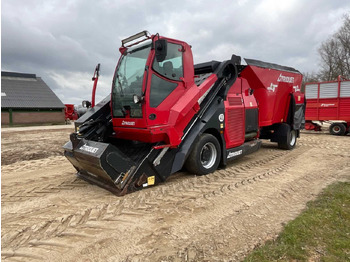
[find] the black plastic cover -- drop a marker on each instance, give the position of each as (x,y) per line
(207,67)
(262,64)
(251,120)
(299,117)
(101,110)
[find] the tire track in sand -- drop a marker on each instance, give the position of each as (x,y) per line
(93,219)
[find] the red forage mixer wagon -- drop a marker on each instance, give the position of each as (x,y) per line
(165,113)
(328,102)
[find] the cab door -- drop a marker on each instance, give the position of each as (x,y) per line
(166,85)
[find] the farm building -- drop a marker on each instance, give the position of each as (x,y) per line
(26,99)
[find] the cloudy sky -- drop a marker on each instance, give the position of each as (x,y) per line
(62,41)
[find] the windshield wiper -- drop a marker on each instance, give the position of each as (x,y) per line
(118,104)
(120,85)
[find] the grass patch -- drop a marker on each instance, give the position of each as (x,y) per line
(320,233)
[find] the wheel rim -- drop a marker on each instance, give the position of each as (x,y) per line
(208,155)
(293,137)
(336,129)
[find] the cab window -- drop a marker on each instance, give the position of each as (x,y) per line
(171,67)
(160,89)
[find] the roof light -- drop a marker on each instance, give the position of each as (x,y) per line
(133,37)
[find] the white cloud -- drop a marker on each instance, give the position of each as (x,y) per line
(63,40)
(77,86)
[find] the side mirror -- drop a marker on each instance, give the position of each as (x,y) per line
(137,99)
(160,47)
(86,104)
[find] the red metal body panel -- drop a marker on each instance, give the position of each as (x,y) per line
(173,114)
(271,90)
(328,101)
(234,111)
(238,100)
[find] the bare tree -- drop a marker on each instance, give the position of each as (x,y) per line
(335,53)
(308,78)
(343,37)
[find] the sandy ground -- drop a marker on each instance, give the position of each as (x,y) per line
(48,214)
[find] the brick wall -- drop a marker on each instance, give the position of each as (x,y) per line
(5,118)
(19,118)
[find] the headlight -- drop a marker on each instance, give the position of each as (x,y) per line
(86,104)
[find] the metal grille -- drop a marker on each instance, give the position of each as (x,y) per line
(311,91)
(345,89)
(234,101)
(235,124)
(329,90)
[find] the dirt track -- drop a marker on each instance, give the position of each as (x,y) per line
(49,215)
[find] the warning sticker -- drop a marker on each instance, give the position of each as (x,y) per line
(150,180)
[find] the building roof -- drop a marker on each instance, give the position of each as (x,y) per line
(20,90)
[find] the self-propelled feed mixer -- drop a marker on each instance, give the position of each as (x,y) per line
(164,114)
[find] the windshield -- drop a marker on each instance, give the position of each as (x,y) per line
(128,81)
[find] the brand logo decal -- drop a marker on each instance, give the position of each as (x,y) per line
(296,88)
(237,153)
(285,79)
(272,87)
(221,117)
(89,149)
(128,123)
(327,105)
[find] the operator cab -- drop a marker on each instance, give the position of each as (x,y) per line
(150,78)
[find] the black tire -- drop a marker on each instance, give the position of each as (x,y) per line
(337,129)
(205,156)
(287,137)
(347,130)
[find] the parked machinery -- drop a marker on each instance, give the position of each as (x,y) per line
(70,113)
(328,102)
(164,113)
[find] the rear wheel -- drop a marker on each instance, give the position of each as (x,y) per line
(287,137)
(205,156)
(337,129)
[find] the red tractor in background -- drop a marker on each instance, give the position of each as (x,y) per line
(164,113)
(70,113)
(328,102)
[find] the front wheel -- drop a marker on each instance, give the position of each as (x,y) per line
(205,156)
